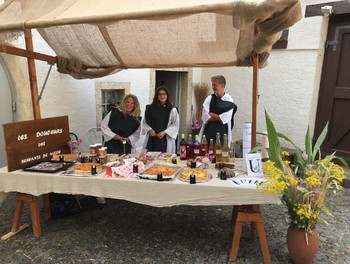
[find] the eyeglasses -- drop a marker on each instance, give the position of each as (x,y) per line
(161,94)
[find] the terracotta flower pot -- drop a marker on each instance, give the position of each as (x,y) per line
(302,246)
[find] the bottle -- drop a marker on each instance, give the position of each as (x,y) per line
(189,149)
(183,147)
(232,153)
(225,150)
(218,148)
(196,147)
(204,146)
(211,148)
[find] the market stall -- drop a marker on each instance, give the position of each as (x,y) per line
(93,39)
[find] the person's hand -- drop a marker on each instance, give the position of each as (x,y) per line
(213,117)
(117,137)
(161,134)
(152,133)
(125,139)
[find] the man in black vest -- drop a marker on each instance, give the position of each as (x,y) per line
(218,111)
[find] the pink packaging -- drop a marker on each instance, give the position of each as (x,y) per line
(126,170)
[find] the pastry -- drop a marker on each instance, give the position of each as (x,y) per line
(164,169)
(85,168)
(201,175)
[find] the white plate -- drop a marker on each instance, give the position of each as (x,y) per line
(153,154)
(166,156)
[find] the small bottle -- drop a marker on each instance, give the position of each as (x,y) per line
(192,179)
(196,147)
(218,148)
(183,147)
(135,168)
(204,146)
(160,176)
(189,149)
(225,150)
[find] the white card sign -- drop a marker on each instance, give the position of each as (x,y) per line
(254,164)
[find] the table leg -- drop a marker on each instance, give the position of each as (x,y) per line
(18,212)
(46,206)
(249,213)
(35,214)
(34,211)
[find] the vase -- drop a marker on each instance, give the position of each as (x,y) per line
(74,150)
(302,246)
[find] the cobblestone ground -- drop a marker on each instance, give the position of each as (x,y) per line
(124,232)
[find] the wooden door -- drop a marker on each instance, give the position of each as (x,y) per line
(334,98)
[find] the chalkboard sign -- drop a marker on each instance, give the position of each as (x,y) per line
(31,142)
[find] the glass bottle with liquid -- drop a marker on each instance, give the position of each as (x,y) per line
(183,147)
(189,149)
(225,150)
(232,152)
(211,147)
(196,147)
(218,148)
(204,146)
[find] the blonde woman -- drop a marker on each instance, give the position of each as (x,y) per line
(121,126)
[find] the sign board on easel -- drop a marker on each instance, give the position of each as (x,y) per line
(31,142)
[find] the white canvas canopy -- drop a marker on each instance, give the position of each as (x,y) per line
(95,38)
(110,35)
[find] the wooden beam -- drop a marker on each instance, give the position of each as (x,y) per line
(28,54)
(32,75)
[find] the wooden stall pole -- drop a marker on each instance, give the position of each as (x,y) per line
(255,97)
(255,91)
(32,74)
(35,97)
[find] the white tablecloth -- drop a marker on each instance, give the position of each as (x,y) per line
(149,192)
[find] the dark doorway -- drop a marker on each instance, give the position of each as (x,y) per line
(172,80)
(334,97)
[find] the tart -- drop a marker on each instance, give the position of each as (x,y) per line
(164,169)
(85,168)
(201,175)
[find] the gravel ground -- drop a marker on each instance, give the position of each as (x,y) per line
(124,232)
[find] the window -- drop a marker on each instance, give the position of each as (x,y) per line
(110,98)
(108,94)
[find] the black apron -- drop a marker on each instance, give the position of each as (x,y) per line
(157,118)
(124,126)
(217,106)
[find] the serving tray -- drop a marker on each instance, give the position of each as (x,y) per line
(49,166)
(142,175)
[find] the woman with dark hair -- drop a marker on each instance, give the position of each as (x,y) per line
(161,123)
(121,127)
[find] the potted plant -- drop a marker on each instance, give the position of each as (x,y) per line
(304,187)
